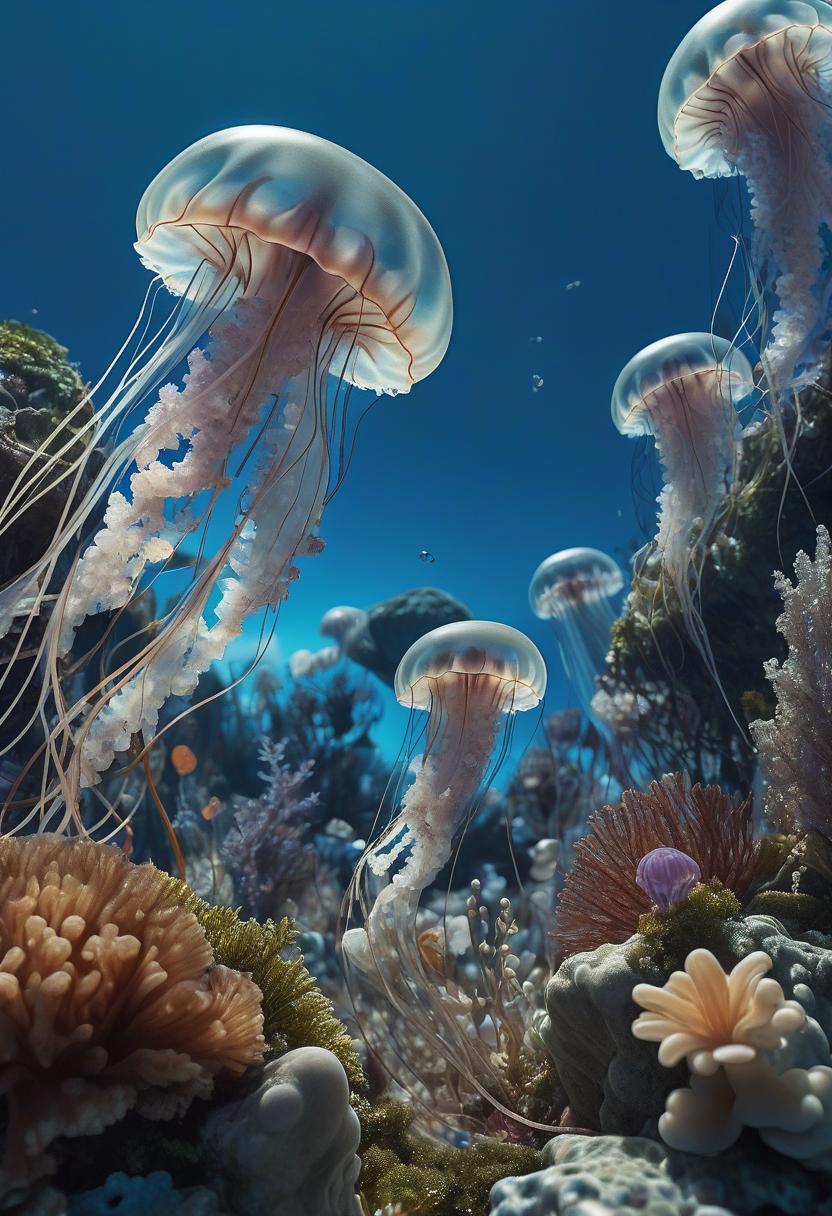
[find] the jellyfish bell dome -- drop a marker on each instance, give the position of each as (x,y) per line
(667,364)
(572,577)
(472,648)
(241,201)
(712,85)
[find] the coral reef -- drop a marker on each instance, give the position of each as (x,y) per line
(290,1145)
(730,1028)
(265,848)
(111,999)
(135,1195)
(613,1081)
(795,747)
(615,1174)
(601,900)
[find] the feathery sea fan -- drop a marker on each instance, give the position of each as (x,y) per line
(109,999)
(601,901)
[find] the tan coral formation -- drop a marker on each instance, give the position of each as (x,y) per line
(109,999)
(729,1028)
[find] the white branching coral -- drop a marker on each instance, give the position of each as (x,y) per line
(795,747)
(730,1028)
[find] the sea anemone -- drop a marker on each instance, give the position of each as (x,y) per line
(732,1030)
(109,999)
(601,900)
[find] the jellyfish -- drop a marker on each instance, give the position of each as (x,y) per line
(469,677)
(748,92)
(306,267)
(683,392)
(577,589)
(335,623)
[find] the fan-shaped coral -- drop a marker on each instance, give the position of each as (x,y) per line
(109,999)
(601,901)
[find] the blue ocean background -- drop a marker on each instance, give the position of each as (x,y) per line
(527,135)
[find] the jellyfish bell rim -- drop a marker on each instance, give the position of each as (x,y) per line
(467,648)
(302,192)
(542,589)
(718,37)
(695,352)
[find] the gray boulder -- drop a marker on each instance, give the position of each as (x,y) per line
(379,640)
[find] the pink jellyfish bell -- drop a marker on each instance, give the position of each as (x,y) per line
(312,269)
(749,91)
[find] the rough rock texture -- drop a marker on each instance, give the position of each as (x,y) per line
(626,1176)
(614,1081)
(391,627)
(290,1146)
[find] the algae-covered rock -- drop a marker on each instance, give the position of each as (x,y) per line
(290,1146)
(614,1081)
(622,1176)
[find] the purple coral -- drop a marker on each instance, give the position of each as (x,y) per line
(667,876)
(267,849)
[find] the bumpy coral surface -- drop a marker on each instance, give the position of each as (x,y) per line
(109,999)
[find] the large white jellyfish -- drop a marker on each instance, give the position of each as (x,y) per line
(749,91)
(470,677)
(306,263)
(683,391)
(577,590)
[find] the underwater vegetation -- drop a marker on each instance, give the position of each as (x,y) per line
(249,966)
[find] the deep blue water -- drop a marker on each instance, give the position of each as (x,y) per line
(526,132)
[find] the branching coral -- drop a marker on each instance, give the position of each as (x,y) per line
(601,901)
(109,999)
(795,748)
(729,1028)
(265,848)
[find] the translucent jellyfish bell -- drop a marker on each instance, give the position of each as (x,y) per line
(242,201)
(307,267)
(466,652)
(748,91)
(576,589)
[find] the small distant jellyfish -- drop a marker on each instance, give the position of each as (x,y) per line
(684,391)
(749,91)
(309,272)
(336,623)
(426,556)
(667,876)
(571,286)
(577,590)
(537,383)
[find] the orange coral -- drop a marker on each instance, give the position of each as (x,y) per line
(109,999)
(601,902)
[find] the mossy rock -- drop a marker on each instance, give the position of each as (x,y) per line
(41,364)
(665,939)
